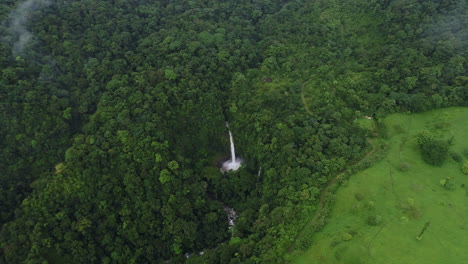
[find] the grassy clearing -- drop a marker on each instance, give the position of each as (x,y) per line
(380,211)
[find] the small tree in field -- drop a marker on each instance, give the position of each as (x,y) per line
(434,151)
(456,157)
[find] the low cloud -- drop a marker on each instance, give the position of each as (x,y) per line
(18,22)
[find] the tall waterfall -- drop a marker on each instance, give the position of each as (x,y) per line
(234,163)
(233,150)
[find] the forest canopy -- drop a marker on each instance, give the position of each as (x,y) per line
(112,118)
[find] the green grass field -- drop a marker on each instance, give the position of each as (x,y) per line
(380,211)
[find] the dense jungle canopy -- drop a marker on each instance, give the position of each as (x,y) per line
(112,117)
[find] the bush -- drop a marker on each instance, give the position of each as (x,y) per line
(424,137)
(447,183)
(404,166)
(346,237)
(373,220)
(465,152)
(455,156)
(434,151)
(465,167)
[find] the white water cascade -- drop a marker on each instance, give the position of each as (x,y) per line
(233,150)
(231,214)
(234,163)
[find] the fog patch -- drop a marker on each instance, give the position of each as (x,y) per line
(449,29)
(17,24)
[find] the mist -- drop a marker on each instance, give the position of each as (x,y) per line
(18,21)
(451,27)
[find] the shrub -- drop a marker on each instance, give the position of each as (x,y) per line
(373,220)
(346,237)
(434,151)
(424,137)
(465,152)
(447,183)
(404,166)
(455,156)
(465,167)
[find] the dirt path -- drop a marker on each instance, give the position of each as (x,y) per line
(317,214)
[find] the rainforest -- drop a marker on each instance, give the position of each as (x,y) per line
(233,131)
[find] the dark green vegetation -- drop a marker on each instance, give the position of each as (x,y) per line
(112,119)
(434,151)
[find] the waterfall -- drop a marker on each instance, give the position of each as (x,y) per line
(233,151)
(234,163)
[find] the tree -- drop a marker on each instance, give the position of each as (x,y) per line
(465,167)
(434,151)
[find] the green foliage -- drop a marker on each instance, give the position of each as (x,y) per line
(67,113)
(235,241)
(374,220)
(424,137)
(465,167)
(434,151)
(165,176)
(128,99)
(173,165)
(455,156)
(448,184)
(170,74)
(346,237)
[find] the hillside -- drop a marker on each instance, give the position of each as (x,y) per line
(402,210)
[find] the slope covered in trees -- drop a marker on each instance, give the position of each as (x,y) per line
(112,118)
